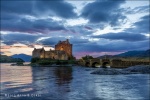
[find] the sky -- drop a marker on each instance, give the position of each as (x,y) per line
(94,27)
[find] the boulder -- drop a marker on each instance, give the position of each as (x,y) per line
(143,69)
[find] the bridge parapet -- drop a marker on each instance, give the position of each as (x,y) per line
(123,64)
(114,63)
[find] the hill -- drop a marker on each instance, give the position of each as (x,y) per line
(26,58)
(138,55)
(145,54)
(134,54)
(8,59)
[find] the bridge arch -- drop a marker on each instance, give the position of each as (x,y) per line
(87,64)
(95,63)
(104,64)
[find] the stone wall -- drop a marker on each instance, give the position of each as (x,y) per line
(63,51)
(124,64)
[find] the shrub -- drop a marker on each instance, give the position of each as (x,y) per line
(34,60)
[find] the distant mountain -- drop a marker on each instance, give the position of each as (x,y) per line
(26,58)
(134,54)
(8,59)
(145,54)
(129,54)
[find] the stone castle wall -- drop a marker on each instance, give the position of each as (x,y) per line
(63,51)
(64,46)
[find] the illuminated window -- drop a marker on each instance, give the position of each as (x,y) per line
(62,48)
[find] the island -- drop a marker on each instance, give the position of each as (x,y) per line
(61,56)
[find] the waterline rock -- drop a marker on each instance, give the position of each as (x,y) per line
(143,69)
(139,69)
(109,71)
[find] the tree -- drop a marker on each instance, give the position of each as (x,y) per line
(34,60)
(87,57)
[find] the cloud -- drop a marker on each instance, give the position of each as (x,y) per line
(115,46)
(88,28)
(39,7)
(103,12)
(31,26)
(50,41)
(54,40)
(45,22)
(17,7)
(58,8)
(123,36)
(140,27)
(13,38)
(34,16)
(143,25)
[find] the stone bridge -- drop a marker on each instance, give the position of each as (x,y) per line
(114,63)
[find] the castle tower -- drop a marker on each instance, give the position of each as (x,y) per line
(64,46)
(38,53)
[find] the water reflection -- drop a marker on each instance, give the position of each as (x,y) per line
(15,79)
(16,74)
(63,75)
(53,82)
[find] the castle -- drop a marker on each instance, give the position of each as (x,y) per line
(63,51)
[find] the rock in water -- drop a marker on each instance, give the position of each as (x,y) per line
(143,69)
(109,71)
(140,69)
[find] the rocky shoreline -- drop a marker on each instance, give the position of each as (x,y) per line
(138,69)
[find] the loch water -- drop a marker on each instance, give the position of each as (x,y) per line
(70,83)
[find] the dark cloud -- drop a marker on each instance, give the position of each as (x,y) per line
(9,16)
(123,36)
(13,38)
(24,7)
(54,40)
(14,15)
(81,30)
(88,28)
(143,26)
(56,7)
(103,12)
(115,46)
(77,41)
(38,7)
(49,41)
(31,26)
(11,19)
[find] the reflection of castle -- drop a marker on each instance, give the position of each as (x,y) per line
(63,51)
(63,75)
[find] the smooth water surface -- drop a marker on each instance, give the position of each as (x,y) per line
(70,83)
